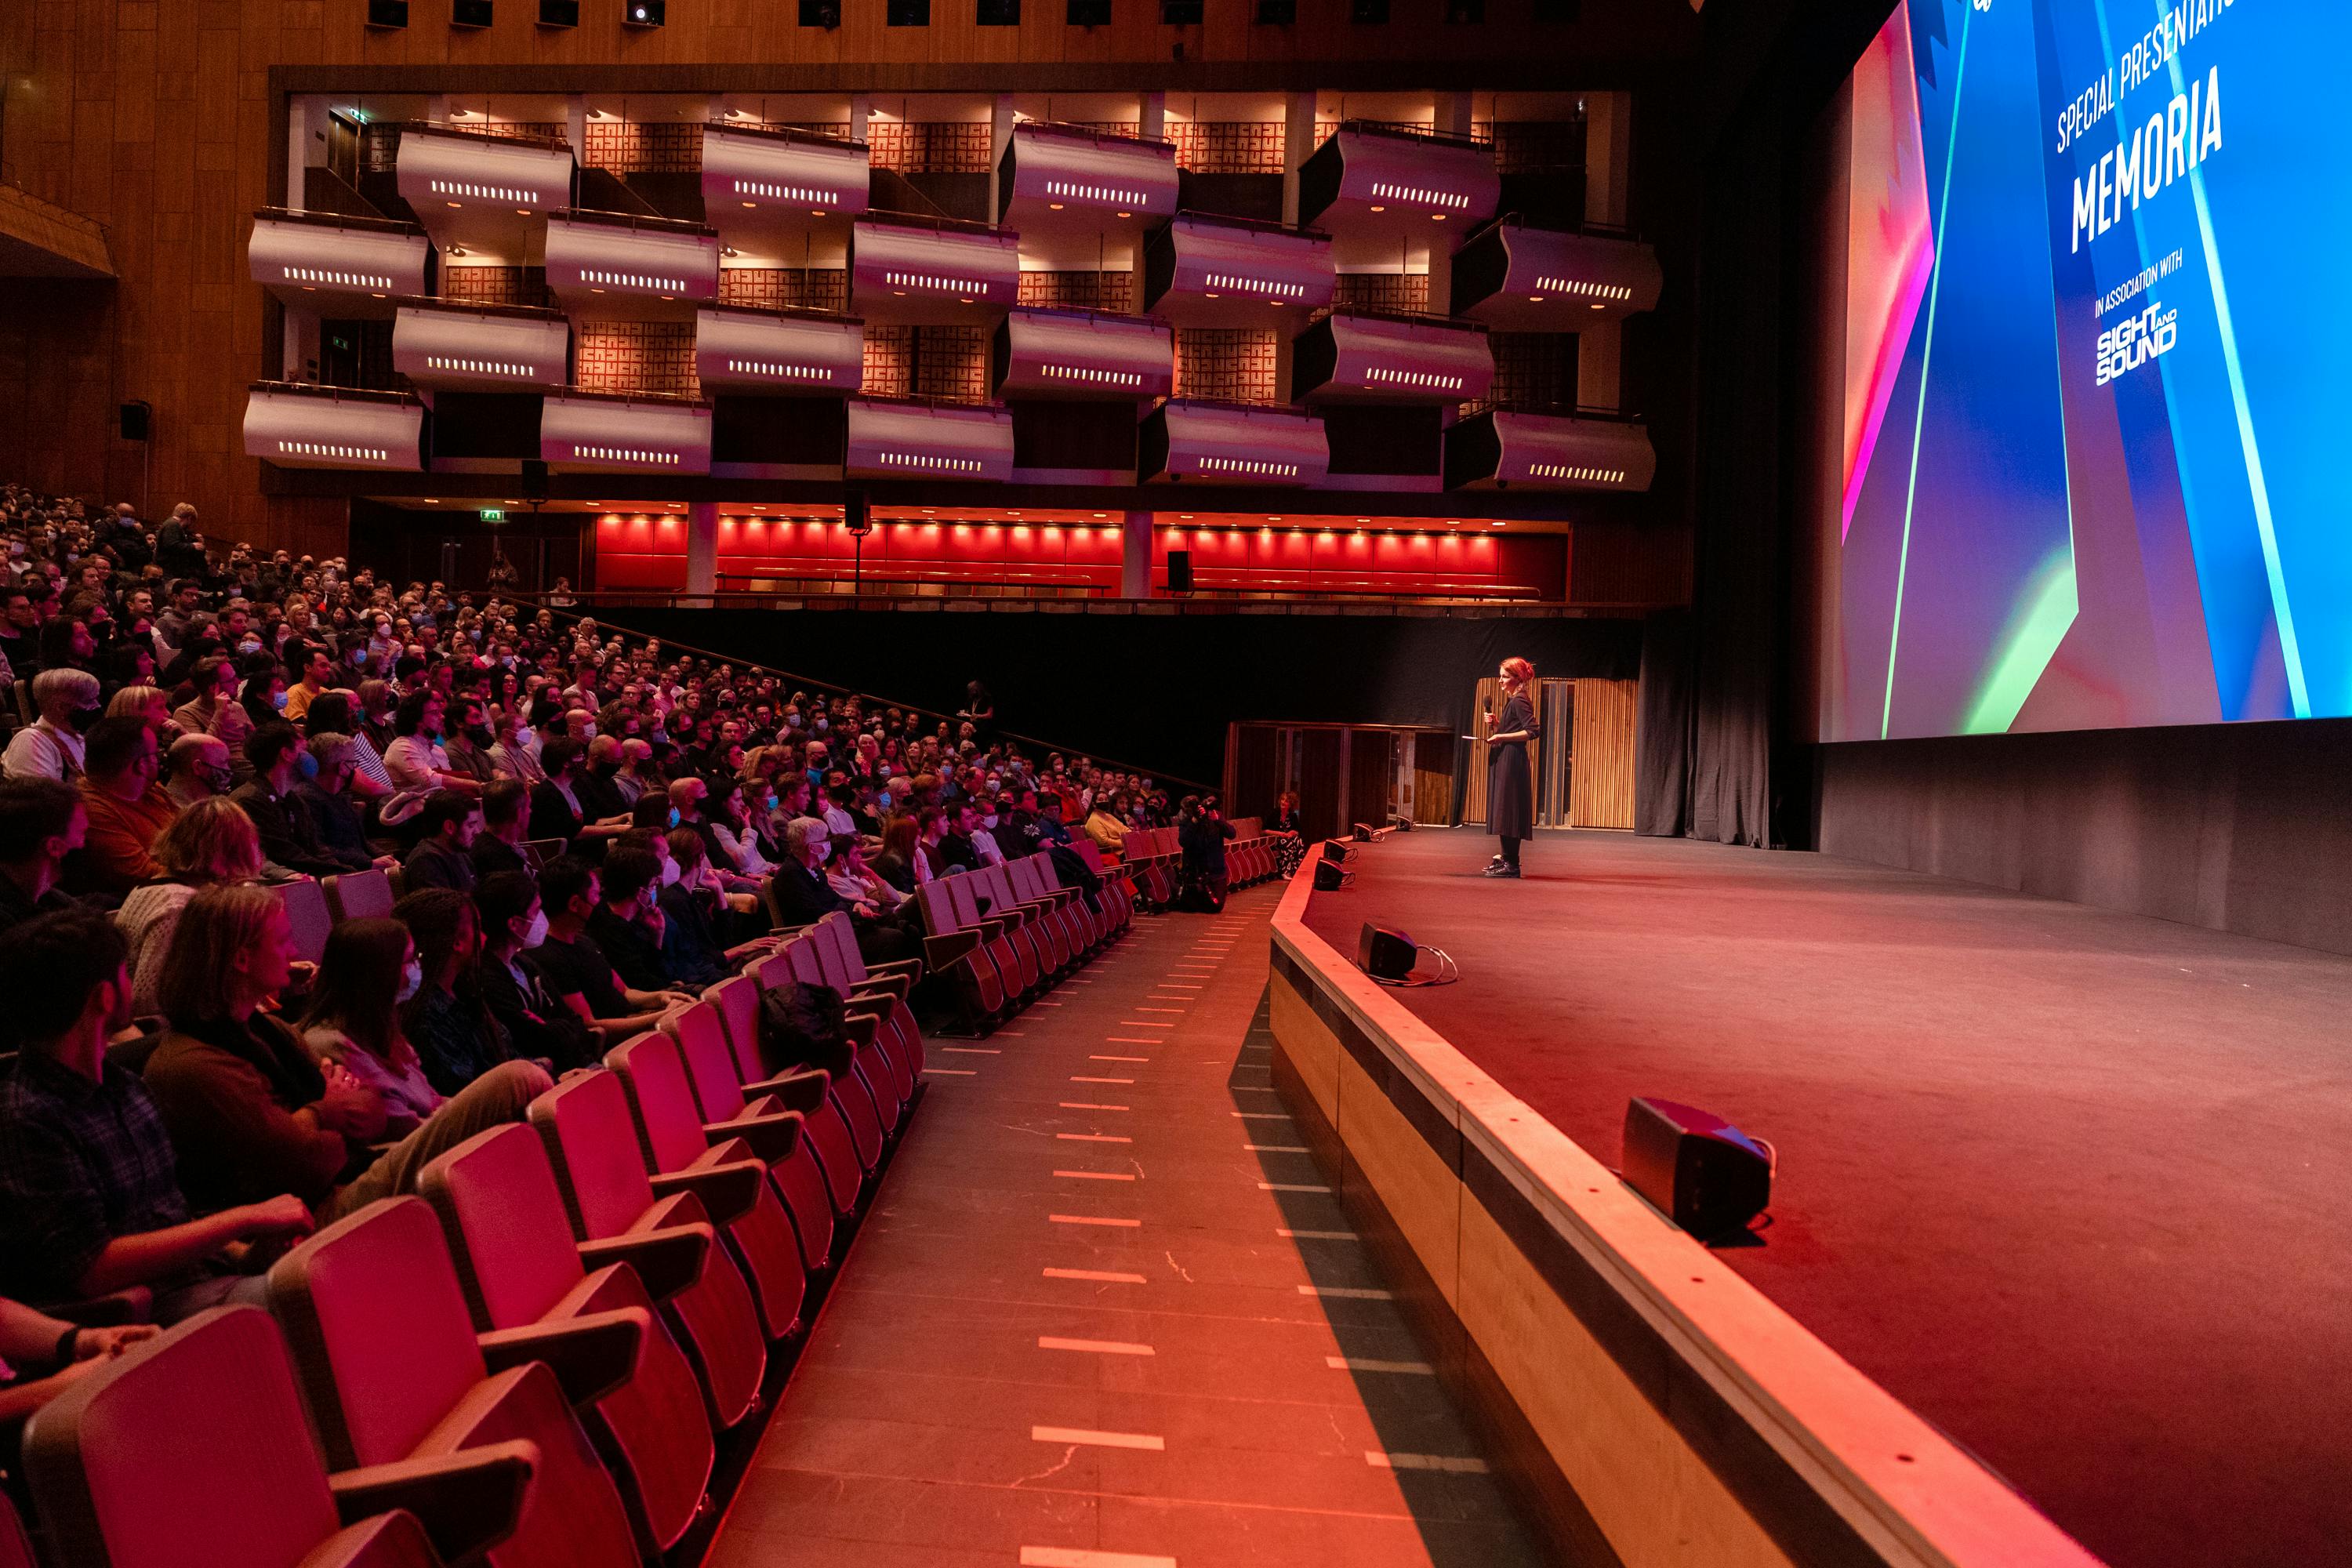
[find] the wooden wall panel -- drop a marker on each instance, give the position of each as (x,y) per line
(1629,563)
(1600,787)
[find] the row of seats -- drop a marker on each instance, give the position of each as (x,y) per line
(1154,857)
(530,1363)
(1001,936)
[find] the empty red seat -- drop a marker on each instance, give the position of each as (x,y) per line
(392,1370)
(884,1079)
(850,1098)
(723,1098)
(504,1219)
(882,987)
(674,1140)
(592,1140)
(191,1451)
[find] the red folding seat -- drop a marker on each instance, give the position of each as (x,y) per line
(392,1369)
(959,956)
(890,1083)
(722,1098)
(1036,937)
(1089,926)
(675,1140)
(1029,885)
(864,1106)
(1015,959)
(882,988)
(191,1451)
(503,1217)
(826,1130)
(592,1140)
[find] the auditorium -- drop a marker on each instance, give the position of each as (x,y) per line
(1093,783)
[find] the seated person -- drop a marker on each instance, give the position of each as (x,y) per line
(499,847)
(368,973)
(212,841)
(513,924)
(42,821)
(41,1356)
(443,858)
(804,897)
(89,1197)
(574,968)
(555,808)
(287,835)
(66,702)
(454,1034)
(692,910)
(628,923)
(197,768)
(900,864)
(126,809)
(249,1110)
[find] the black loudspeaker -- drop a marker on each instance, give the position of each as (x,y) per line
(135,417)
(856,518)
(1706,1174)
(1383,953)
(1179,571)
(1363,833)
(1330,876)
(644,13)
(534,480)
(559,12)
(470,13)
(387,13)
(1336,850)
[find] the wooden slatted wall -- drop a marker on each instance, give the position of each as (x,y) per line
(1600,792)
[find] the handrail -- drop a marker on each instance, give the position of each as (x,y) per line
(871,699)
(317,218)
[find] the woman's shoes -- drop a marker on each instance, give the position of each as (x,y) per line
(1502,868)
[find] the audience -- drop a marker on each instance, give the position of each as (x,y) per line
(275,753)
(573,966)
(353,1021)
(126,808)
(211,842)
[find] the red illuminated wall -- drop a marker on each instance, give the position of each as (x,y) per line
(649,553)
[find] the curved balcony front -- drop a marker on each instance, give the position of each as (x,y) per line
(350,269)
(1201,270)
(1192,441)
(443,345)
(1358,357)
(1082,356)
(767,192)
(890,438)
(483,198)
(1377,185)
(1074,181)
(1516,277)
(582,432)
(1506,448)
(295,425)
(915,271)
(778,353)
(617,267)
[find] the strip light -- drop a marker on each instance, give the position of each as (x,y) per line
(480,367)
(776,368)
(1568,471)
(1578,286)
(1254,285)
(1086,373)
(326,450)
(626,455)
(1384,190)
(633,280)
(937,280)
(935,461)
(1105,194)
(1254,466)
(787,192)
(508,194)
(1426,379)
(345,279)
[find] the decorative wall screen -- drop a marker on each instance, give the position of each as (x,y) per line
(496,284)
(930,146)
(1405,292)
(635,356)
(625,147)
(1231,365)
(785,288)
(1228,146)
(1079,290)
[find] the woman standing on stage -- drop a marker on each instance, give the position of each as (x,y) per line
(1510,781)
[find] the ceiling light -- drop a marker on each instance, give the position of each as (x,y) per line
(432,500)
(1534,298)
(1053,207)
(1126,215)
(1596,307)
(1379,208)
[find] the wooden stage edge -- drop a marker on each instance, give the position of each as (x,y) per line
(1650,1407)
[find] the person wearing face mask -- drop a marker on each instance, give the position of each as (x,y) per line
(597,785)
(514,925)
(215,710)
(196,768)
(287,835)
(51,746)
(802,895)
(628,925)
(454,1033)
(370,969)
(127,810)
(324,792)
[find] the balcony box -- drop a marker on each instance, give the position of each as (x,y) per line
(350,268)
(1396,182)
(1077,180)
(762,187)
(1357,357)
(1195,441)
(1070,355)
(1518,278)
(1504,449)
(895,439)
(617,267)
(294,424)
(486,198)
(582,432)
(787,353)
(933,271)
(447,346)
(1204,272)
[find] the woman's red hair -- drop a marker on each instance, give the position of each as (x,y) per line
(1519,670)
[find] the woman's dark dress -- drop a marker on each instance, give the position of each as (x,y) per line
(1510,782)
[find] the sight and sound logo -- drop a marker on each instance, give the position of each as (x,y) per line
(2135,340)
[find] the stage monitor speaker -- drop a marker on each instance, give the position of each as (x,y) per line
(1364,833)
(1383,953)
(135,416)
(1336,850)
(1708,1175)
(1330,877)
(1179,571)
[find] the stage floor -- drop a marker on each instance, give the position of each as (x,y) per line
(2070,1183)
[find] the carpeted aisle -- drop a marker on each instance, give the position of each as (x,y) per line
(1105,1314)
(2071,1183)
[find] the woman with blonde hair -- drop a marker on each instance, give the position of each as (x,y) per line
(151,705)
(1510,780)
(209,843)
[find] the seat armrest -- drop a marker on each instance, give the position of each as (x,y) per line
(860,1028)
(468,1502)
(990,930)
(726,1192)
(802,1090)
(951,948)
(771,1138)
(591,1355)
(910,968)
(667,1260)
(896,984)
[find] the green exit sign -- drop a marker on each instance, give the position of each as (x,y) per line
(494,514)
